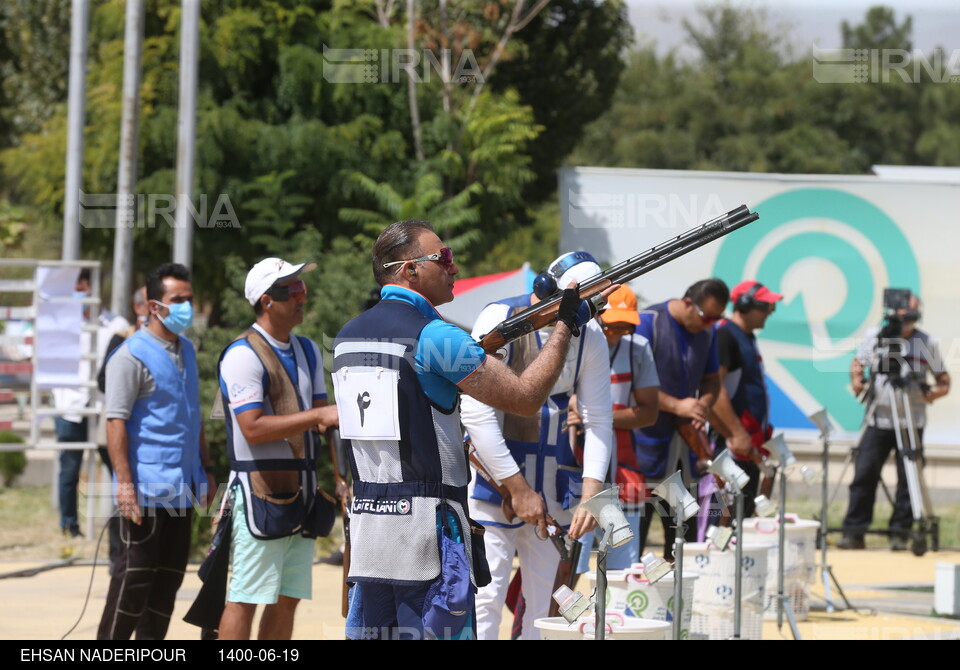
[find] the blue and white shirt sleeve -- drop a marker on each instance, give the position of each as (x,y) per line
(241,378)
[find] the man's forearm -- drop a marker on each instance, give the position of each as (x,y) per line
(545,369)
(723,418)
(709,389)
(118,448)
(667,403)
(258,427)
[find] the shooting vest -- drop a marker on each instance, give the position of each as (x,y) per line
(278,479)
(398,484)
(540,440)
(680,368)
(163,430)
(750,401)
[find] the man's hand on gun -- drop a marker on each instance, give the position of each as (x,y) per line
(740,444)
(695,410)
(525,503)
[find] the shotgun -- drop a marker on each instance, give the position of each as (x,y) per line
(544,313)
(567,547)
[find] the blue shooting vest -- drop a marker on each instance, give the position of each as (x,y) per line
(399,485)
(543,436)
(163,430)
(750,402)
(680,369)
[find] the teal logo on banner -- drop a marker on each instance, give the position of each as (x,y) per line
(831,254)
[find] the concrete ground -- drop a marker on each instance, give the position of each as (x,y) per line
(46,605)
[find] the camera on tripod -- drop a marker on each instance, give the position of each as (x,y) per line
(896,307)
(890,345)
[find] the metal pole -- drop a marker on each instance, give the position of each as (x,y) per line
(76,104)
(600,609)
(824,490)
(678,573)
(738,578)
(127,172)
(186,130)
(782,536)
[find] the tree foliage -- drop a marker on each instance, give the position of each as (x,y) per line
(745,105)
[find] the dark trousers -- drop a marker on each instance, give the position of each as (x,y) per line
(148,572)
(667,517)
(70,462)
(872,452)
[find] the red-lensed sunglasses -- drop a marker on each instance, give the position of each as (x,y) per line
(283,293)
(707,320)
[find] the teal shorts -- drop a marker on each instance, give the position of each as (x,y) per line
(264,570)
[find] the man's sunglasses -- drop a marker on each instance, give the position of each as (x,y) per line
(707,320)
(444,257)
(283,293)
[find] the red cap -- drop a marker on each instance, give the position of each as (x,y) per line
(763,294)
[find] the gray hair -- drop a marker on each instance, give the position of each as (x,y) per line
(396,242)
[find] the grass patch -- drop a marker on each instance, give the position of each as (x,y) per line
(30,530)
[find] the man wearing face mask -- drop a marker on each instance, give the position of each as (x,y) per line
(161,465)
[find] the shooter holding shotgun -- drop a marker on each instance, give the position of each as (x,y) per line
(531,456)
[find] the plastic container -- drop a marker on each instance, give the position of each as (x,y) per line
(618,628)
(629,592)
(799,560)
(713,601)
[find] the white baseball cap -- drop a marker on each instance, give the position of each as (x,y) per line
(268,272)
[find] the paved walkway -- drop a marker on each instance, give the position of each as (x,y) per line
(46,605)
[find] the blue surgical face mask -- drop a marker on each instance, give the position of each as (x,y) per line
(180,317)
(81,294)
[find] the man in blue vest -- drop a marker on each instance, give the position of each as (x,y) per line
(533,457)
(273,383)
(682,335)
(741,416)
(398,372)
(160,463)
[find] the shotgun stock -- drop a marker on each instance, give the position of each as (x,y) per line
(567,547)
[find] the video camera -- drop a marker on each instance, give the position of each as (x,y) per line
(895,301)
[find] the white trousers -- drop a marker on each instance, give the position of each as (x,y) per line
(538,563)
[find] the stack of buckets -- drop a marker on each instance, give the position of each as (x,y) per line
(713,596)
(799,560)
(629,592)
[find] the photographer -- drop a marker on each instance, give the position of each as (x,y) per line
(897,354)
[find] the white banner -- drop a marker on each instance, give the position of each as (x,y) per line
(829,243)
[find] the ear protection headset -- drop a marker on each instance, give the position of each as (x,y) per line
(748,300)
(545,283)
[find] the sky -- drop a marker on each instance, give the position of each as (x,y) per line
(807,22)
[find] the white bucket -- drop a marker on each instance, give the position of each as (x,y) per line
(713,601)
(629,592)
(799,560)
(618,628)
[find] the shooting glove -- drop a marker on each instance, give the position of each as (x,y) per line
(573,311)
